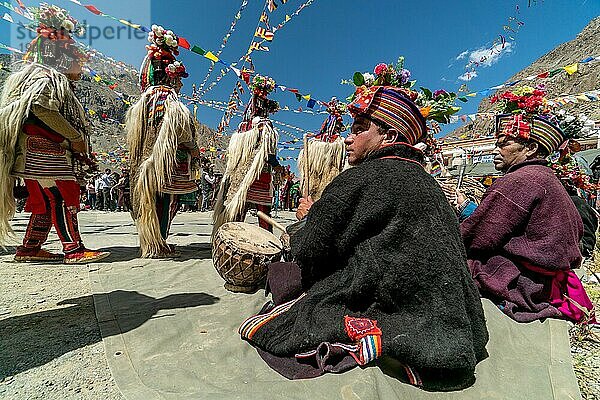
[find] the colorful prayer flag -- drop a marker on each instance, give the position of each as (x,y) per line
(272,6)
(256,46)
(198,50)
(93,10)
(183,43)
(264,33)
(134,26)
(264,18)
(571,69)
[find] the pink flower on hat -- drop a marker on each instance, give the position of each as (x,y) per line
(380,69)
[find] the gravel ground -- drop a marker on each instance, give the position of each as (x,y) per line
(51,348)
(50,343)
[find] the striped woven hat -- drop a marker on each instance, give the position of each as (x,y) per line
(535,128)
(390,106)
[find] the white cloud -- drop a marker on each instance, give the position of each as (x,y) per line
(462,55)
(486,57)
(482,57)
(467,76)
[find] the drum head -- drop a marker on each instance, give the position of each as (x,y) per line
(250,238)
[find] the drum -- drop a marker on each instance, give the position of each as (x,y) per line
(241,253)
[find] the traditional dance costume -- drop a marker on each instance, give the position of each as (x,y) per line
(161,136)
(40,120)
(251,157)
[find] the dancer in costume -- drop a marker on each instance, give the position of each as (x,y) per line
(380,268)
(523,239)
(251,157)
(323,159)
(44,139)
(161,135)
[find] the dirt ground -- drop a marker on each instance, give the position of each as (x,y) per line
(50,343)
(51,348)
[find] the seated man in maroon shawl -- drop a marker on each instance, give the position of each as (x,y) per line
(522,241)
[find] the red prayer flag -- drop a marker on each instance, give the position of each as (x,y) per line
(246,77)
(93,9)
(544,75)
(184,43)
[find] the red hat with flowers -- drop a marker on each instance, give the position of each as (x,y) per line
(54,45)
(525,115)
(160,65)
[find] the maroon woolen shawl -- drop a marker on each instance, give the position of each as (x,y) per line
(522,243)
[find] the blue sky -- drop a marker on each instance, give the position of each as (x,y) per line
(332,39)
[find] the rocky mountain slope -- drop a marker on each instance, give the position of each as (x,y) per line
(587,78)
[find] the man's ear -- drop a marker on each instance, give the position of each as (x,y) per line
(390,136)
(532,148)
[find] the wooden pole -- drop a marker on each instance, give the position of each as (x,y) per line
(270,220)
(306,171)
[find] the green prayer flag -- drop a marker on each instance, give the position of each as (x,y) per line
(198,50)
(556,71)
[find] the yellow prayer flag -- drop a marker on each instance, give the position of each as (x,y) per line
(582,97)
(97,78)
(211,56)
(134,26)
(213,149)
(472,94)
(1,66)
(307,97)
(287,18)
(571,69)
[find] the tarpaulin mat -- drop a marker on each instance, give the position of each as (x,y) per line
(170,331)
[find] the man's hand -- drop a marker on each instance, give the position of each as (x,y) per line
(304,207)
(285,240)
(460,197)
(79,147)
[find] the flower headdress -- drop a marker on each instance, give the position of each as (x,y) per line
(571,173)
(525,114)
(389,87)
(334,124)
(262,85)
(57,19)
(524,100)
(163,47)
(54,44)
(259,105)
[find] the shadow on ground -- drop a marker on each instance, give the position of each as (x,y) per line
(31,340)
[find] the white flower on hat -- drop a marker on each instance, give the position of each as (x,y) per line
(68,25)
(154,27)
(369,78)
